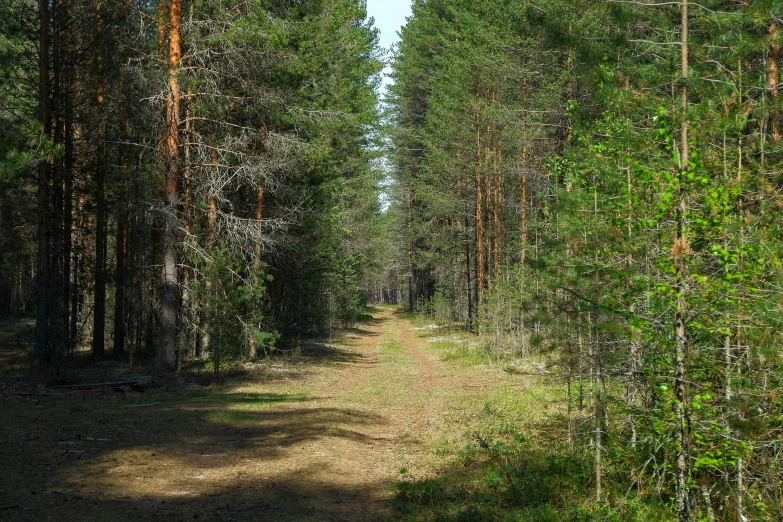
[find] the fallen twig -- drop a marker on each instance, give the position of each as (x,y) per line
(95,385)
(68,493)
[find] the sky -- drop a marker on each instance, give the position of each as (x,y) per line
(389,17)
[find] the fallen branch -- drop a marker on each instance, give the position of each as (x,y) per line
(68,493)
(95,385)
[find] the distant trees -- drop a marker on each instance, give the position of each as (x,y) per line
(601,178)
(470,141)
(198,167)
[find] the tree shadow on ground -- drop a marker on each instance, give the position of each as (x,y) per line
(99,455)
(291,498)
(367,328)
(179,451)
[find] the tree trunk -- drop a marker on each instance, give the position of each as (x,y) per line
(77,270)
(167,357)
(186,212)
(479,217)
(69,287)
(123,297)
(597,350)
(469,267)
(258,251)
(411,284)
(7,227)
(680,250)
(497,209)
(121,281)
(101,229)
(773,78)
(205,338)
(523,182)
(61,112)
(44,358)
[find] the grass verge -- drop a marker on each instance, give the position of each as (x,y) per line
(506,470)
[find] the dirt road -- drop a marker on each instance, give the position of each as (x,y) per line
(320,438)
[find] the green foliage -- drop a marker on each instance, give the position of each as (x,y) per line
(617,235)
(505,474)
(229,299)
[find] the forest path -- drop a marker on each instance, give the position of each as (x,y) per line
(320,436)
(380,406)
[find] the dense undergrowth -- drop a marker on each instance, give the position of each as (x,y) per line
(512,460)
(506,472)
(505,475)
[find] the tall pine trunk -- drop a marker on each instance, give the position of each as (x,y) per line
(44,357)
(101,229)
(523,239)
(258,251)
(169,310)
(680,250)
(479,215)
(773,78)
(120,278)
(62,114)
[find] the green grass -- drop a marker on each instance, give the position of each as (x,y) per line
(385,390)
(506,456)
(506,473)
(463,353)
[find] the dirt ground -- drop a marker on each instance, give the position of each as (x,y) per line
(320,437)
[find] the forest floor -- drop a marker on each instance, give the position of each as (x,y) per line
(328,434)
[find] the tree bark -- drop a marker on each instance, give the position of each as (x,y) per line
(7,227)
(479,217)
(497,210)
(69,260)
(121,281)
(62,113)
(101,229)
(523,239)
(186,213)
(167,357)
(680,250)
(77,270)
(773,78)
(258,251)
(44,358)
(411,283)
(469,269)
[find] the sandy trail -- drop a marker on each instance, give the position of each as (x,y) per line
(351,471)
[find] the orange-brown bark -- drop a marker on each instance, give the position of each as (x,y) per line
(523,239)
(479,216)
(773,79)
(167,356)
